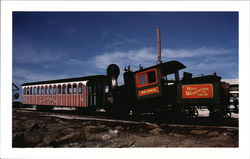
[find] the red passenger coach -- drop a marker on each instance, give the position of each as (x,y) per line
(72,92)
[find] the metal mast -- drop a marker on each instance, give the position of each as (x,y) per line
(159,45)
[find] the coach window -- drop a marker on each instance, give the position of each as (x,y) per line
(69,89)
(46,90)
(54,89)
(34,91)
(74,88)
(24,91)
(59,89)
(42,90)
(106,88)
(50,89)
(38,90)
(31,90)
(80,88)
(28,91)
(64,89)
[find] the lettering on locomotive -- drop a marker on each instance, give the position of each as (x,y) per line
(148,91)
(197,91)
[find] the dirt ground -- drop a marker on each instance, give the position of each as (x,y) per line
(32,129)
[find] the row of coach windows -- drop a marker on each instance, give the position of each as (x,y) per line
(64,89)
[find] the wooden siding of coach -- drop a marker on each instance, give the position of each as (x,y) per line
(49,98)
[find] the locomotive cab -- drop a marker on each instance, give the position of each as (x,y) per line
(154,82)
(147,83)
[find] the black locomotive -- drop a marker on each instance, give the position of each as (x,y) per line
(151,90)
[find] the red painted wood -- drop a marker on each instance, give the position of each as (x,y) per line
(72,100)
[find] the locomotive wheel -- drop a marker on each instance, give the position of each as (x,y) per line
(116,111)
(215,115)
(227,114)
(192,113)
(157,115)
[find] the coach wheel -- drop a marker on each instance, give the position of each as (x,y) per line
(16,95)
(44,108)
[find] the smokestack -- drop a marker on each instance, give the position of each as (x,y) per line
(159,45)
(113,72)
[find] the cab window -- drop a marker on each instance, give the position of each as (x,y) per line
(143,79)
(147,77)
(151,77)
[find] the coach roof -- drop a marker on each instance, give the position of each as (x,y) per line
(96,77)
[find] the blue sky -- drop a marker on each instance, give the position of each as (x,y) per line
(54,45)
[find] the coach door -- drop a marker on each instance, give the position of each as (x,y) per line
(95,93)
(91,93)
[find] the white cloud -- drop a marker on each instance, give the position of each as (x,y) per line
(148,56)
(133,58)
(69,30)
(27,54)
(198,52)
(199,61)
(23,75)
(49,21)
(121,41)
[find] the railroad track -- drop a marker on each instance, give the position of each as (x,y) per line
(72,115)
